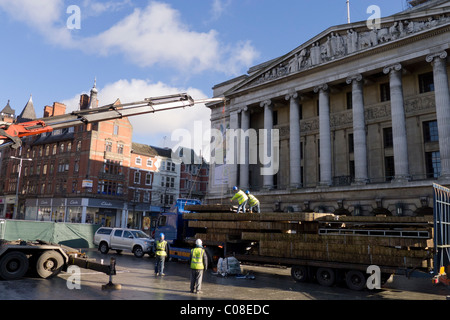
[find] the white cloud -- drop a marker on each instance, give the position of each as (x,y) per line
(157,124)
(218,8)
(46,17)
(95,8)
(154,35)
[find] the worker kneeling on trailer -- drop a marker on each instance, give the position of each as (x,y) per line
(252,202)
(241,197)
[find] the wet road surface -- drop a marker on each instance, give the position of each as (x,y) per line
(138,282)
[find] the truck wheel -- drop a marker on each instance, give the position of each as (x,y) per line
(103,247)
(299,273)
(49,264)
(325,276)
(13,265)
(355,280)
(138,252)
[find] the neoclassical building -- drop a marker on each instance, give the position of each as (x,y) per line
(357,119)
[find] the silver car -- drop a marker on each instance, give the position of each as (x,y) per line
(120,239)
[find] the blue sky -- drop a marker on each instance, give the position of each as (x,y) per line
(138,49)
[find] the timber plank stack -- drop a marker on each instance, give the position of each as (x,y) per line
(381,240)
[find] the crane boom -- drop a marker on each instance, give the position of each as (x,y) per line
(11,134)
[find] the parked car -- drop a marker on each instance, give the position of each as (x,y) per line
(120,239)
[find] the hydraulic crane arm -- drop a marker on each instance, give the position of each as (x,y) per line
(11,134)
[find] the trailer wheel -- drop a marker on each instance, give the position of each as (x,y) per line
(325,276)
(13,265)
(299,273)
(49,264)
(355,280)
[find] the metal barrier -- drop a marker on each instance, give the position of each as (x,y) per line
(441,212)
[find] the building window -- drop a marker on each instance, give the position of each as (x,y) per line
(148,179)
(351,143)
(120,148)
(351,168)
(385,92)
(430,131)
(54,149)
(433,164)
(426,82)
(146,196)
(389,169)
(138,161)
(110,187)
(149,162)
(349,97)
(78,146)
(116,129)
(108,146)
(137,177)
(388,138)
(137,196)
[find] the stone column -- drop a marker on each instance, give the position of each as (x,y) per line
(442,97)
(325,134)
(232,150)
(359,129)
(268,151)
(244,149)
(294,141)
(401,163)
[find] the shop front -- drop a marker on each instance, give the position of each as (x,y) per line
(108,213)
(140,216)
(7,207)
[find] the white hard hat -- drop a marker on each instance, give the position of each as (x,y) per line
(198,242)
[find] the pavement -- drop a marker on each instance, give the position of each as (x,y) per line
(268,286)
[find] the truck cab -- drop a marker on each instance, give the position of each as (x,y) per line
(171,223)
(175,229)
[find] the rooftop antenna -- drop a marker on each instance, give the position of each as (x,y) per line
(348,11)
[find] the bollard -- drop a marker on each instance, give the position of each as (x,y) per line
(112,271)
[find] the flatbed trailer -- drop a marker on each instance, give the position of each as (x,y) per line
(44,259)
(320,246)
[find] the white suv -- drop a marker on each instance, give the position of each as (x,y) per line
(120,239)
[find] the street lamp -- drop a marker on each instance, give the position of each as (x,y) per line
(16,201)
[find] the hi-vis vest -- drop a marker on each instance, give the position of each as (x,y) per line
(161,248)
(197,259)
(240,196)
(252,201)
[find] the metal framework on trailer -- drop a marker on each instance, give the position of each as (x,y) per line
(441,225)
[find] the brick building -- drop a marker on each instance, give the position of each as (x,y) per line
(194,175)
(79,174)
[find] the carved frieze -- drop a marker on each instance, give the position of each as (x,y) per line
(341,43)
